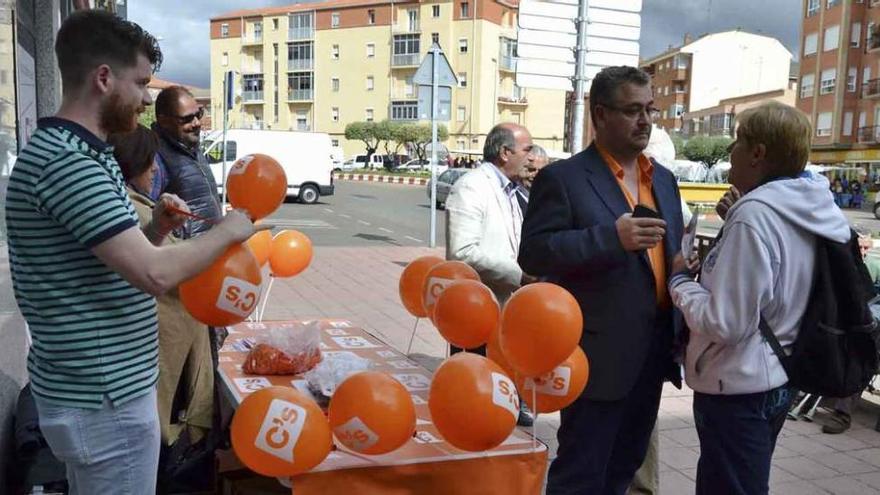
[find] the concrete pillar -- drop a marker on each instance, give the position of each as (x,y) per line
(46,24)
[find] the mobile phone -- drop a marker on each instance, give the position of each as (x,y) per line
(642,211)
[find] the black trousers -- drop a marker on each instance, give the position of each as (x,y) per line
(603,443)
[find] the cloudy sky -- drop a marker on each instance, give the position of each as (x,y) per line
(184,26)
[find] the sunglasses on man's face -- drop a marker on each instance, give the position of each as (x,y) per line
(186,119)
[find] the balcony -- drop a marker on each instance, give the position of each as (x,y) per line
(405,60)
(507,63)
(300,33)
(302,128)
(871,89)
(301,95)
(301,64)
(870,135)
(513,100)
(407,28)
(680,75)
(256,125)
(252,69)
(251,97)
(252,40)
(873,43)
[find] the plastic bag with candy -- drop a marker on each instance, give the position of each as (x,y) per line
(333,370)
(288,349)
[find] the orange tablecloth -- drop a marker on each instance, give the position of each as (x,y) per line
(424,465)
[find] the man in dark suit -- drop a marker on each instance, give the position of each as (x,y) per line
(580,232)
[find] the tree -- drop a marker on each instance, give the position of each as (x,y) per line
(709,150)
(147,118)
(407,135)
(365,132)
(678,142)
(386,131)
(422,136)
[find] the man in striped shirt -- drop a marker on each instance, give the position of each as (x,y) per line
(84,273)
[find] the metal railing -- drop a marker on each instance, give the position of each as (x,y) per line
(300,33)
(869,134)
(871,88)
(252,39)
(251,95)
(513,100)
(300,94)
(300,64)
(506,62)
(404,59)
(252,69)
(303,127)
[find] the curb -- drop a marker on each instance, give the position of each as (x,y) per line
(388,179)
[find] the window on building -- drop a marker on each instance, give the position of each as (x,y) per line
(465,10)
(460,114)
(831,39)
(855,35)
(404,110)
(370,83)
(274,24)
(435,38)
(334,114)
(462,79)
(680,88)
(807,85)
(334,84)
(676,110)
(811,43)
(302,120)
(812,7)
(301,85)
(225,60)
(406,49)
(848,123)
(334,20)
(823,124)
(829,79)
(863,119)
(832,3)
(462,45)
(409,87)
(435,11)
(665,90)
(866,75)
(371,16)
(334,52)
(371,50)
(680,61)
(369,115)
(851,77)
(299,55)
(334,143)
(869,35)
(224,30)
(664,114)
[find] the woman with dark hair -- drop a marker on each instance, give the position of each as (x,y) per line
(183,341)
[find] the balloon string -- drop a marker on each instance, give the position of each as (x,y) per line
(411,337)
(535,420)
(266,299)
(188,214)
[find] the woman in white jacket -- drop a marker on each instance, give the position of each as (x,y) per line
(762,264)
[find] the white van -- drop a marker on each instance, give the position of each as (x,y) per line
(305,157)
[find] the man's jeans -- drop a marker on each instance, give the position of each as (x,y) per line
(737,437)
(107,450)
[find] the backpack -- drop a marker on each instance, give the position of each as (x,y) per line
(835,352)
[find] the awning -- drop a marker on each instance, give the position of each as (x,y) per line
(845,156)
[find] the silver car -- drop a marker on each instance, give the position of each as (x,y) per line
(445,182)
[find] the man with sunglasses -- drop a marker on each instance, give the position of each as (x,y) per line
(182,169)
(605,225)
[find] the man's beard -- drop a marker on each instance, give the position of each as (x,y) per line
(118,117)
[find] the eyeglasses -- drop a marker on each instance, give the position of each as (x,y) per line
(635,111)
(186,119)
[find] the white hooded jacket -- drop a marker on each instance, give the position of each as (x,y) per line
(763,264)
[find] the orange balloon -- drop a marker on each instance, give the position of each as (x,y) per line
(473,403)
(291,253)
(466,313)
(226,292)
(560,387)
(257,184)
(372,413)
(540,326)
(260,245)
(278,431)
(440,276)
(412,284)
(493,352)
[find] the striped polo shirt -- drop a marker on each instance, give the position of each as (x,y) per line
(94,334)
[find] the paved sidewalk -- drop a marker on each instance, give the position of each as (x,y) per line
(360,284)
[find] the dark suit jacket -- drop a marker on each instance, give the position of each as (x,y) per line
(569,237)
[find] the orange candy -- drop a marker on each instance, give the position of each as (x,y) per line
(540,326)
(291,253)
(257,184)
(473,403)
(226,292)
(412,284)
(466,314)
(372,413)
(440,276)
(278,431)
(558,388)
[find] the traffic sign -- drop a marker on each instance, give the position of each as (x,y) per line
(445,75)
(444,103)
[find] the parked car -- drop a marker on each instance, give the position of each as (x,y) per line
(374,161)
(347,166)
(444,184)
(415,165)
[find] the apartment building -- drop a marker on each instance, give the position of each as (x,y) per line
(703,72)
(840,80)
(319,66)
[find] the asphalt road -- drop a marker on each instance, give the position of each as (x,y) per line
(365,214)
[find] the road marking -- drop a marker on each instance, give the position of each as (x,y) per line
(413,239)
(328,210)
(363,222)
(304,224)
(343,215)
(386,230)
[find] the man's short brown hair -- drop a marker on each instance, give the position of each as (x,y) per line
(784,131)
(90,38)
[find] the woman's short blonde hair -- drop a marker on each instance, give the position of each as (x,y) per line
(784,131)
